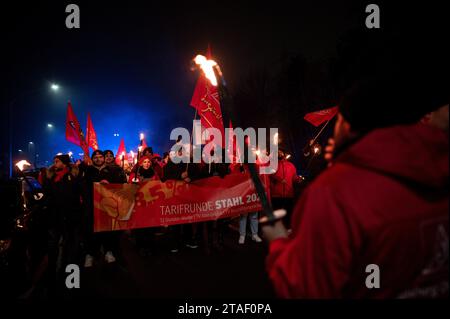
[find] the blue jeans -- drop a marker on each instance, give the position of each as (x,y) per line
(253,224)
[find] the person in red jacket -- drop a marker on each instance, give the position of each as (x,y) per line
(375,223)
(282,185)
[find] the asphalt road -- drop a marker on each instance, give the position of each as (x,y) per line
(236,271)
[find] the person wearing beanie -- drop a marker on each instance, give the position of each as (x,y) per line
(62,189)
(117,173)
(375,223)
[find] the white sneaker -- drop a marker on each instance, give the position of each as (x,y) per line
(241,240)
(109,257)
(88,261)
(256,238)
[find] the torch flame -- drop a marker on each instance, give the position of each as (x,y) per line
(207,67)
(22,163)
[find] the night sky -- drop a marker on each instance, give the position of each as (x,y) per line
(129,64)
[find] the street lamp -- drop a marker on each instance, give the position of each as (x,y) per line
(54,87)
(50,125)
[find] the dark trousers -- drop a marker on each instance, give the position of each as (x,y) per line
(176,235)
(63,249)
(145,238)
(109,240)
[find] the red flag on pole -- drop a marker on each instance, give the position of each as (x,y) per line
(121,151)
(318,117)
(206,100)
(74,134)
(91,136)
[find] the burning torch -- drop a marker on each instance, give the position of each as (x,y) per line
(213,72)
(141,138)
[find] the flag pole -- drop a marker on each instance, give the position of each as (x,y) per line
(230,113)
(320,132)
(307,148)
(190,143)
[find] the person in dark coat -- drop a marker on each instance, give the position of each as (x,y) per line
(62,189)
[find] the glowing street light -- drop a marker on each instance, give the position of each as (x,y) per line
(54,87)
(49,125)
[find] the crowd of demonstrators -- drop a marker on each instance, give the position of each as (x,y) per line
(382,202)
(69,191)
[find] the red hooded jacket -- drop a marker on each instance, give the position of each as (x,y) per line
(384,202)
(286,172)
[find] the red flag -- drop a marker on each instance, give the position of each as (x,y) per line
(120,151)
(318,117)
(236,154)
(74,134)
(206,100)
(91,136)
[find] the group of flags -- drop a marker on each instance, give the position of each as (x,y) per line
(206,102)
(74,133)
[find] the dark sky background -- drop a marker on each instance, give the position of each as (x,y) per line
(129,63)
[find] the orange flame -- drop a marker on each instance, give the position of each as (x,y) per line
(207,67)
(21,164)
